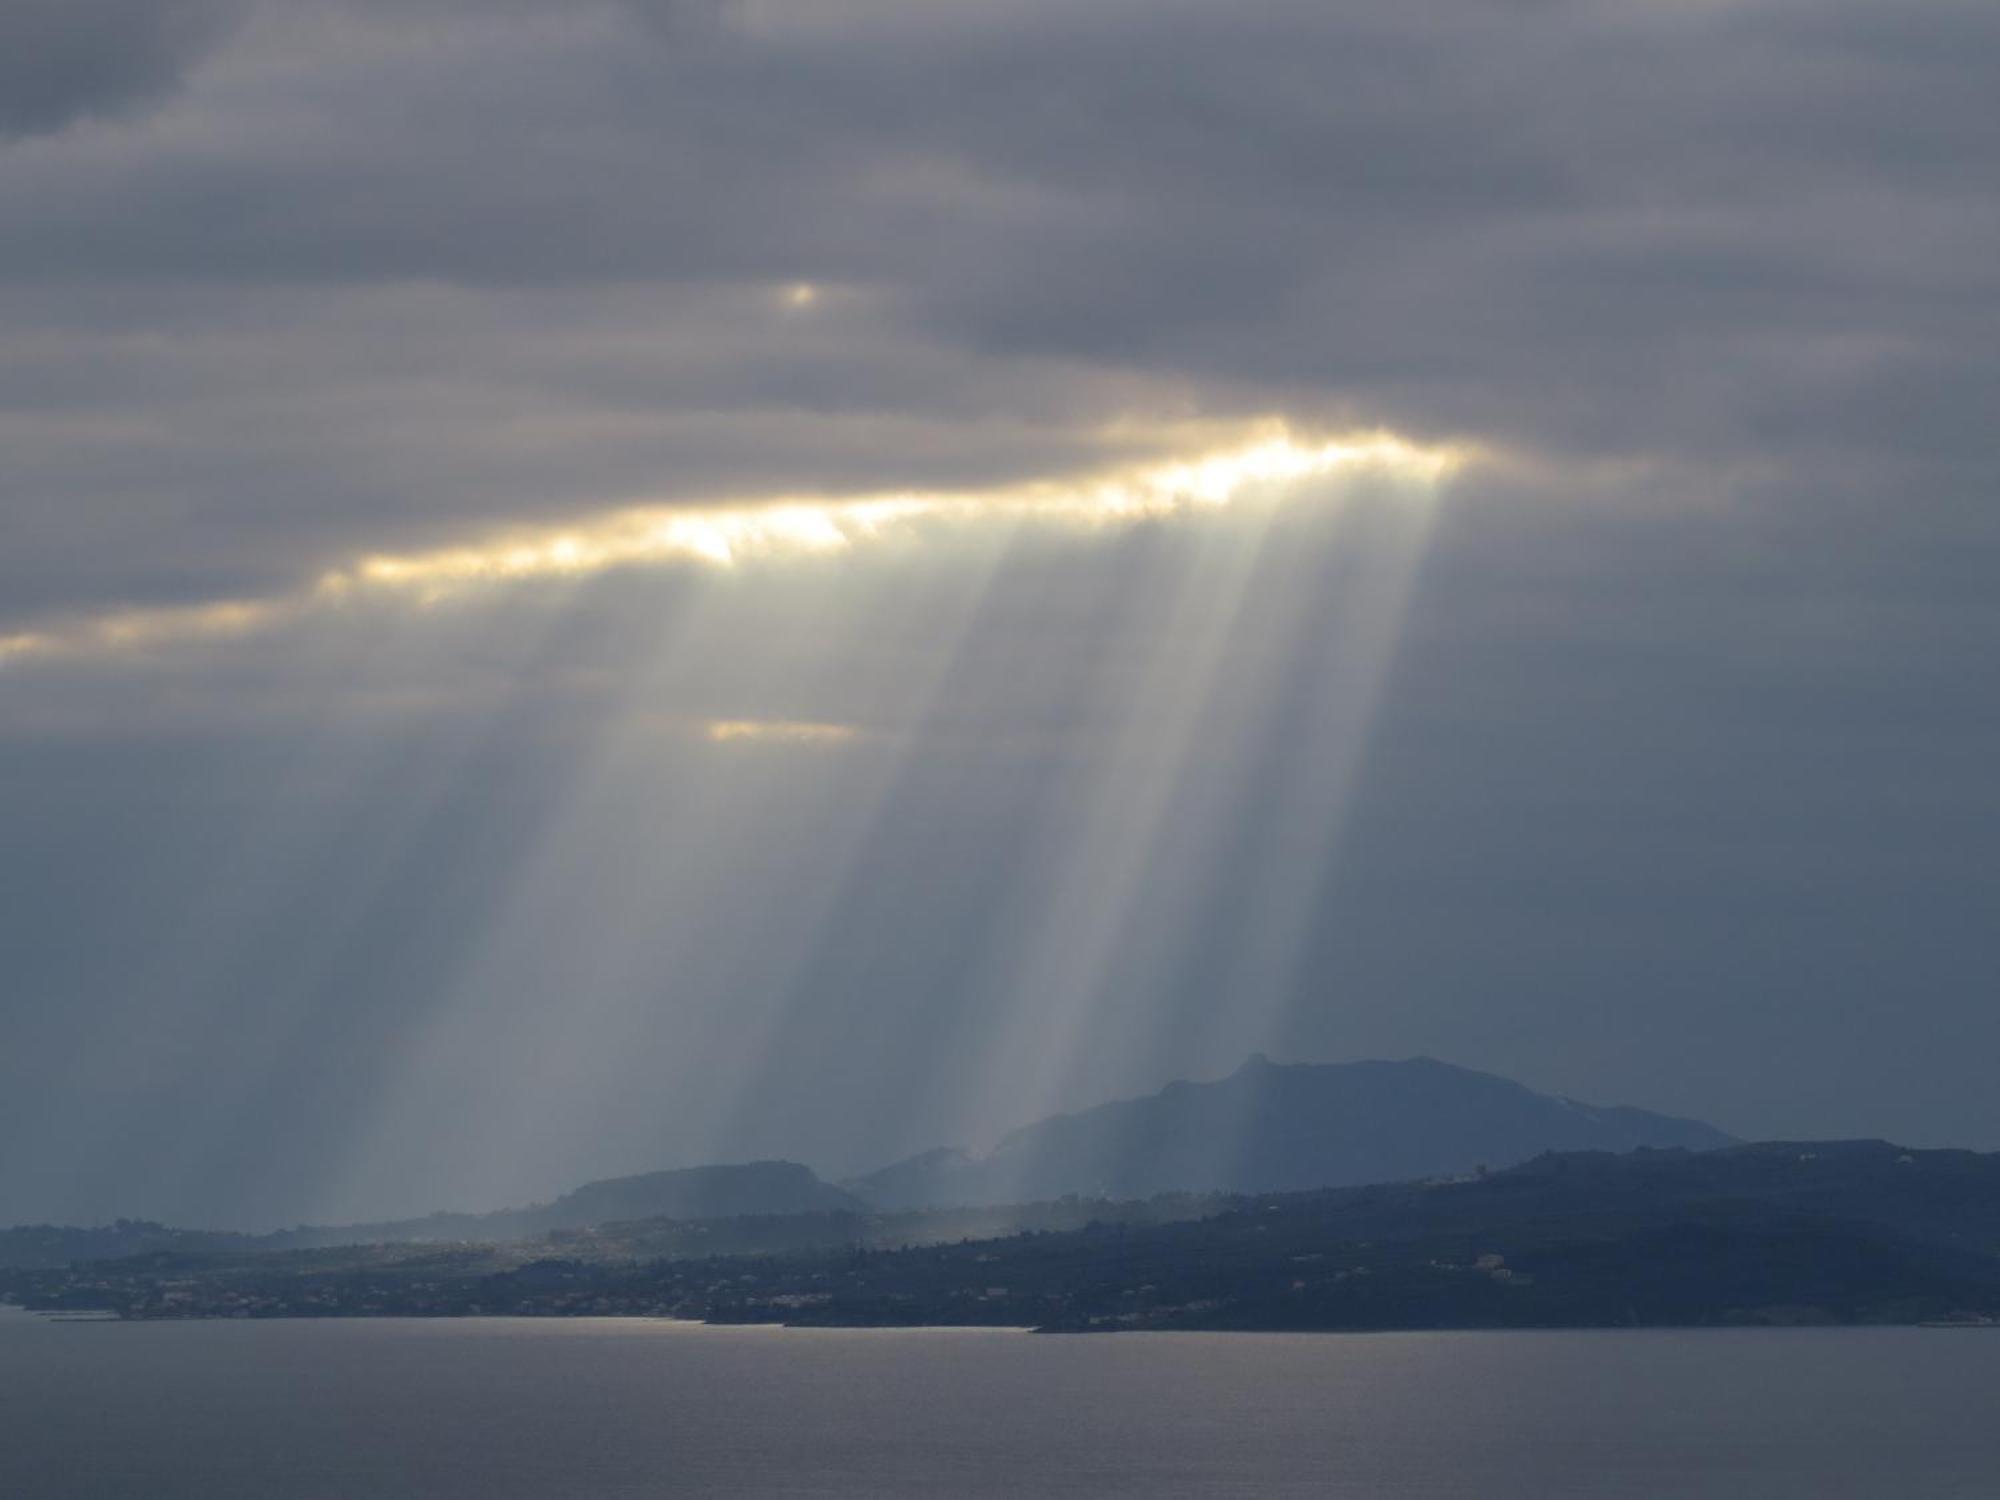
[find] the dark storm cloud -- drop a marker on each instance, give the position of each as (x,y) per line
(64,60)
(1702,233)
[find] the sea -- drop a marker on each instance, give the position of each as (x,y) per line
(494,1409)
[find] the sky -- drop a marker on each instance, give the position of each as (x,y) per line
(592,585)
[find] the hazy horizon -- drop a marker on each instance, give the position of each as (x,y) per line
(979,1147)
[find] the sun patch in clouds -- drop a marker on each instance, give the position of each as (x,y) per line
(802,732)
(130,630)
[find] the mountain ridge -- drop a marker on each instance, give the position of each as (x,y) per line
(1268,1126)
(1273,1126)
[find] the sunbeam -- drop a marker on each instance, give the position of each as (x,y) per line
(759,705)
(625,957)
(1242,700)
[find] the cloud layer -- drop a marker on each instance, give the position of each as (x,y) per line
(388,271)
(62,61)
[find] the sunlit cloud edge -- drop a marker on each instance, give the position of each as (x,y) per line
(1263,456)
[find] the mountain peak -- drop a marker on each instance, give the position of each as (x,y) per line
(1282,1126)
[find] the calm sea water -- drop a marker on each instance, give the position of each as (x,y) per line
(496,1409)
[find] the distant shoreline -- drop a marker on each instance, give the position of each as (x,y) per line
(543,1319)
(1844,1234)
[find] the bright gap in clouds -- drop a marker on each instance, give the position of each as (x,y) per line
(727,535)
(778,731)
(1263,457)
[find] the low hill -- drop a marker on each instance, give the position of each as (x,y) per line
(762,1187)
(742,1191)
(1277,1127)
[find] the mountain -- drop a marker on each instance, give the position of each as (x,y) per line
(1272,1127)
(1266,1128)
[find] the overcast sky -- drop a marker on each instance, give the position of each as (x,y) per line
(599,584)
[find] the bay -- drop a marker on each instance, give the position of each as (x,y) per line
(500,1409)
